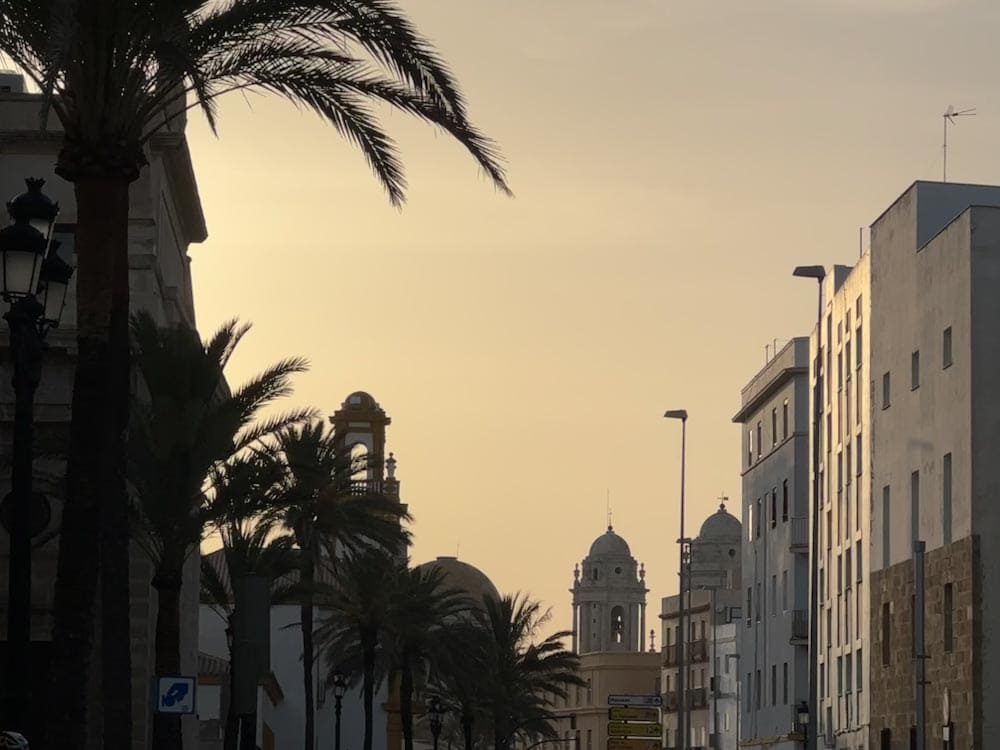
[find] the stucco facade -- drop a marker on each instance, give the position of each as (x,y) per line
(774,632)
(165,218)
(935,276)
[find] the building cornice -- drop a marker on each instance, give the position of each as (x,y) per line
(775,385)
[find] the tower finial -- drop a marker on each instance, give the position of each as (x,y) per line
(610,526)
(723,499)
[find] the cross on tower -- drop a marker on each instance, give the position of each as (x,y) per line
(722,501)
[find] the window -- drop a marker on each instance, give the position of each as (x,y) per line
(847,569)
(784,420)
(886,382)
(784,683)
(784,591)
(886,635)
(774,684)
(749,447)
(774,594)
(595,573)
(848,674)
(886,526)
(784,501)
(757,604)
(822,680)
(857,559)
(857,399)
(840,675)
(857,347)
(946,497)
(915,506)
(617,625)
(949,617)
(774,507)
(857,454)
(760,509)
(774,426)
(914,371)
(749,601)
(829,529)
(859,670)
(760,441)
(946,359)
(750,521)
(840,372)
(840,582)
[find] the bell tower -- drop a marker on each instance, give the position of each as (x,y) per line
(359,431)
(609,598)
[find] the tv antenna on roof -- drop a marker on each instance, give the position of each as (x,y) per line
(949,117)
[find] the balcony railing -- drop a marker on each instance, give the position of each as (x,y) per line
(695,652)
(798,626)
(696,698)
(798,535)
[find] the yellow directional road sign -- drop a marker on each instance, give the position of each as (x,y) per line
(622,713)
(624,729)
(633,743)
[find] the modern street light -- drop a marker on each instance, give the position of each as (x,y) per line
(682,415)
(818,273)
(803,714)
(33,280)
(339,688)
(437,711)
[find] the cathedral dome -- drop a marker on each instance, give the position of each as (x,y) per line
(721,525)
(465,577)
(360,400)
(609,544)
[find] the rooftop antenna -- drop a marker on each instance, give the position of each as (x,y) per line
(609,508)
(949,117)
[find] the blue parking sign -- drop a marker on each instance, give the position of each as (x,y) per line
(175,695)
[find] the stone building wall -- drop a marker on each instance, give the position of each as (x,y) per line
(892,685)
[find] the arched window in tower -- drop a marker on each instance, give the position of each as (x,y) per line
(359,466)
(595,573)
(617,625)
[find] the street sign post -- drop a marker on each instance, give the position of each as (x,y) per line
(651,701)
(625,729)
(627,713)
(633,743)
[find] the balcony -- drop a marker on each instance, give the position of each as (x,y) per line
(798,627)
(798,535)
(696,698)
(695,652)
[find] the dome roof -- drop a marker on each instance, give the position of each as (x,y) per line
(721,525)
(360,400)
(609,544)
(465,577)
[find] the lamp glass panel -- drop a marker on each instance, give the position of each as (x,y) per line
(53,297)
(21,272)
(44,226)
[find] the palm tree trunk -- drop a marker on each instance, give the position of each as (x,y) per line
(167,727)
(308,658)
(406,701)
(101,242)
(467,729)
(368,651)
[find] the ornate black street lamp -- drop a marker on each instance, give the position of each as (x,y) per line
(437,710)
(33,280)
(339,688)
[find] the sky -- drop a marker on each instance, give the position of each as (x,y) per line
(672,161)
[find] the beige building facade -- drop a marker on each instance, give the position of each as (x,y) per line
(165,219)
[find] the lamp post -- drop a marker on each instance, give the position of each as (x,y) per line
(339,688)
(803,714)
(682,415)
(818,273)
(33,280)
(437,710)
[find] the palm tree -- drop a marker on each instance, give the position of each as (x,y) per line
(420,610)
(185,426)
(459,675)
(325,522)
(359,604)
(248,522)
(521,671)
(114,74)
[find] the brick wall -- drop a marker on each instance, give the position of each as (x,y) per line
(892,688)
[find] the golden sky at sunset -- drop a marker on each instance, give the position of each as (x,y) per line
(672,161)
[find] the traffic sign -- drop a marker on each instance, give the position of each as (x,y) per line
(654,701)
(632,743)
(626,713)
(625,729)
(175,695)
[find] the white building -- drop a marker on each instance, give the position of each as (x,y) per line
(845,505)
(774,645)
(935,341)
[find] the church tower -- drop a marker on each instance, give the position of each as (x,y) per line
(609,598)
(359,429)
